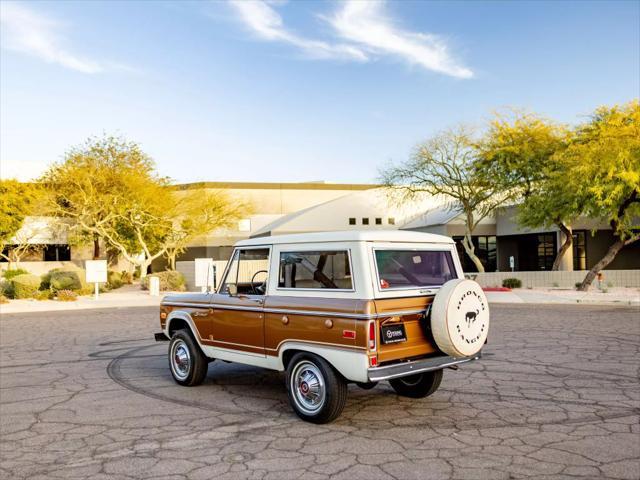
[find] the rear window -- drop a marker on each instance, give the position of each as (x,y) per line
(413,268)
(320,269)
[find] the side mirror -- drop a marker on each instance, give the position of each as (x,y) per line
(232,289)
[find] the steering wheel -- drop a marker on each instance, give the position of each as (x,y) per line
(260,289)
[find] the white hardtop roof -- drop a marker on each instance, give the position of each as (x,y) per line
(349,236)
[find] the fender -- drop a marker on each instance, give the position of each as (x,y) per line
(182,315)
(352,364)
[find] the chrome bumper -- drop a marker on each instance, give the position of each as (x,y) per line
(387,372)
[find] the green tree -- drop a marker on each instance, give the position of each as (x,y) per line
(603,171)
(196,214)
(444,165)
(17,202)
(520,152)
(110,190)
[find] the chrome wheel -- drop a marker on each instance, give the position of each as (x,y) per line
(180,359)
(308,387)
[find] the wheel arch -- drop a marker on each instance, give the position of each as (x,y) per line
(351,364)
(177,320)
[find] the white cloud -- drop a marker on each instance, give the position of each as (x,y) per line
(365,24)
(267,24)
(364,32)
(27,31)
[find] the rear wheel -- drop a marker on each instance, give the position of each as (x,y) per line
(316,391)
(419,385)
(187,362)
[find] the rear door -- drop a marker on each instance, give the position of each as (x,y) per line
(407,277)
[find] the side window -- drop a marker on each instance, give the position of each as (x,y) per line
(319,269)
(248,271)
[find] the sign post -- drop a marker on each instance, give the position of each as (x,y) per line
(512,262)
(96,273)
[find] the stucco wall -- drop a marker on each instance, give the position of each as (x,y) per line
(614,278)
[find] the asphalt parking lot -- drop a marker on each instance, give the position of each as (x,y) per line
(88,394)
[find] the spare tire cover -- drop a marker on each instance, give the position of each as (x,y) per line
(460,318)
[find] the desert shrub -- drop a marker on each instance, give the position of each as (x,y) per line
(114,280)
(3,299)
(169,280)
(5,288)
(25,285)
(9,274)
(86,290)
(66,296)
(43,295)
(512,283)
(126,277)
(67,280)
(577,284)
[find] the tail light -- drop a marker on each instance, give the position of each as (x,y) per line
(372,335)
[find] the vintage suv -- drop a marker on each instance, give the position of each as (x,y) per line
(333,308)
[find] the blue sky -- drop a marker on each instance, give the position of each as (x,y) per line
(296,91)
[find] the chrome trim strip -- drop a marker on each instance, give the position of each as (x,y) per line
(404,369)
(186,304)
(335,346)
(287,311)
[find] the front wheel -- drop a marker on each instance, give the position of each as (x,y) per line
(419,385)
(316,391)
(187,362)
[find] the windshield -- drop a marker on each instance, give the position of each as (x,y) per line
(413,268)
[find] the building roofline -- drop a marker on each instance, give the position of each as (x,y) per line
(403,236)
(277,185)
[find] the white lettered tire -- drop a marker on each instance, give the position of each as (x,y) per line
(460,318)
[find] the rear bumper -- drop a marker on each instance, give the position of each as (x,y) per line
(388,372)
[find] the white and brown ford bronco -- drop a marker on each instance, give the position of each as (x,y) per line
(331,309)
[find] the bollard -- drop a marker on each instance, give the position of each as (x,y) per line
(154,286)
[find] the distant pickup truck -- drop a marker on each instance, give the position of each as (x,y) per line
(331,309)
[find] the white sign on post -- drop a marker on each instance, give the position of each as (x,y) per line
(96,273)
(512,262)
(204,273)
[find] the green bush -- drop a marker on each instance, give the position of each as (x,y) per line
(25,285)
(577,284)
(5,288)
(169,280)
(114,280)
(126,277)
(43,295)
(67,280)
(9,274)
(512,283)
(66,296)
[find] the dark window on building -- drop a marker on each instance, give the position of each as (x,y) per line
(546,250)
(485,250)
(352,221)
(57,253)
(378,221)
(579,251)
(392,221)
(365,221)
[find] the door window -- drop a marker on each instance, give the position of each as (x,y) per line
(248,271)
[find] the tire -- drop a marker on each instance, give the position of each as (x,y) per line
(187,363)
(367,385)
(317,393)
(420,385)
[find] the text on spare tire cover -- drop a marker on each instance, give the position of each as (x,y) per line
(471,304)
